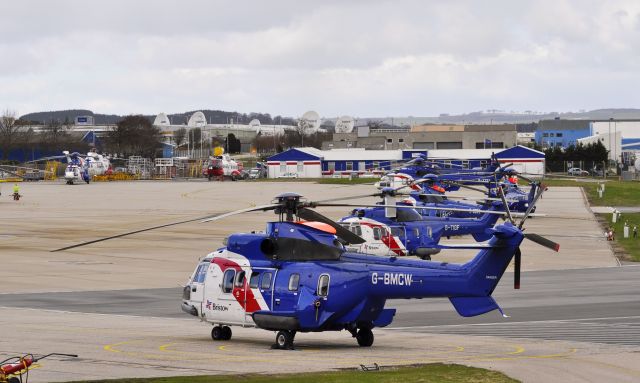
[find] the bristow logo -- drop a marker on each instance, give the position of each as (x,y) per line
(212,306)
(394,279)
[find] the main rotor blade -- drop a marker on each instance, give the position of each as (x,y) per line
(341,231)
(541,189)
(540,240)
(506,205)
(255,208)
(344,198)
(126,234)
(481,211)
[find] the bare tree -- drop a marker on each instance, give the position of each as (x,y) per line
(135,135)
(8,132)
(302,129)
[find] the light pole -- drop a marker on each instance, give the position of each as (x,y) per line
(610,119)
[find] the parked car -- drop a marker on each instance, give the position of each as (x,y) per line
(577,172)
(256,173)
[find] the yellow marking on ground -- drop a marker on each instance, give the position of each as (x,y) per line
(221,348)
(547,356)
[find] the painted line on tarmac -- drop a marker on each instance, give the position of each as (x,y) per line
(509,323)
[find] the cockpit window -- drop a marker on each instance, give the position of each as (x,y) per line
(408,215)
(227,280)
(201,273)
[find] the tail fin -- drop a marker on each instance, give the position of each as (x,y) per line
(485,271)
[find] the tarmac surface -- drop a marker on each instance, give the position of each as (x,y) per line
(116,303)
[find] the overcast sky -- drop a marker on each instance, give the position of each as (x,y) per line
(361,58)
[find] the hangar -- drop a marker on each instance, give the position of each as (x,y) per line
(315,163)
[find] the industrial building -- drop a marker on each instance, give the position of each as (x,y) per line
(426,137)
(314,163)
(620,137)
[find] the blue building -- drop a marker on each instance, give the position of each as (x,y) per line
(315,163)
(561,133)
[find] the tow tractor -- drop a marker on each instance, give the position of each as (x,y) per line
(16,369)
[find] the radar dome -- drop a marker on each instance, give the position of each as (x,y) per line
(197,119)
(161,119)
(312,121)
(255,122)
(345,124)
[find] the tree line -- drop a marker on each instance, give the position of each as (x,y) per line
(593,155)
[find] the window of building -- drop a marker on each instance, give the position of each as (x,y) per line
(376,165)
(483,163)
(545,134)
(349,165)
(331,165)
(390,140)
(400,139)
(227,280)
(294,280)
(239,279)
(266,281)
(283,167)
(447,164)
(449,145)
(300,167)
(558,143)
(559,134)
(253,281)
(465,164)
(551,134)
(323,285)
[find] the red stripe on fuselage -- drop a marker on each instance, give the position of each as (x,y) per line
(251,304)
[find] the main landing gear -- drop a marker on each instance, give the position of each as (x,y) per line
(221,333)
(284,340)
(363,335)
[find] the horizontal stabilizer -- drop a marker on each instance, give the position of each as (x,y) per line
(472,306)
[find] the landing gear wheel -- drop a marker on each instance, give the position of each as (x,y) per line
(13,379)
(425,257)
(217,333)
(233,177)
(226,333)
(284,340)
(364,337)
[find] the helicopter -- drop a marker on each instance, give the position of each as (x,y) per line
(82,167)
(297,276)
(401,229)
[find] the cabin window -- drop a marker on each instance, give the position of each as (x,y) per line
(240,279)
(227,280)
(266,281)
(253,281)
(294,280)
(323,285)
(357,230)
(377,233)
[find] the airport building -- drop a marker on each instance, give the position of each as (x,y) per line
(426,137)
(620,137)
(315,163)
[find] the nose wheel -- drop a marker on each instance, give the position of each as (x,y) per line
(221,333)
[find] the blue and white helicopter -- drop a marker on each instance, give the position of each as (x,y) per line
(297,276)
